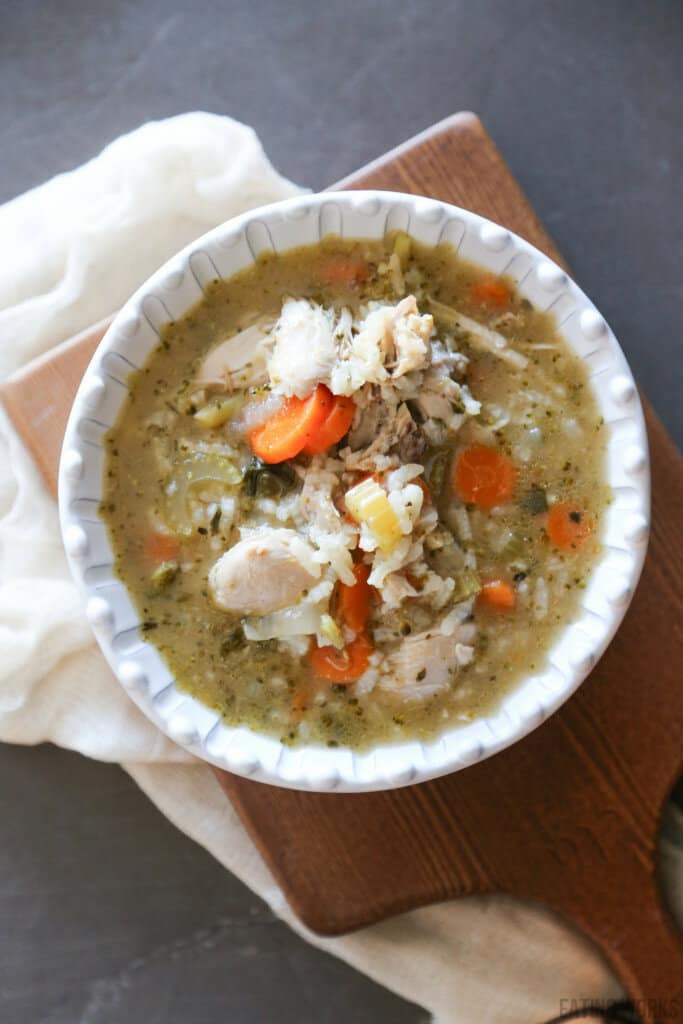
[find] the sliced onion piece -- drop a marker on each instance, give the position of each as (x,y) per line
(300,620)
(201,468)
(258,408)
(482,337)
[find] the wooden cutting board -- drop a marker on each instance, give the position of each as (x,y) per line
(567,817)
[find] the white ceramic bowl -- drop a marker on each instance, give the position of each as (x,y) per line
(128,343)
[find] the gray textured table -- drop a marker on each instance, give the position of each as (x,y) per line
(107,914)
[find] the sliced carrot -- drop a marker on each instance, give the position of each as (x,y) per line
(491,292)
(338,422)
(497,594)
(353,602)
(346,273)
(568,526)
(292,427)
(161,547)
(345,666)
(484,476)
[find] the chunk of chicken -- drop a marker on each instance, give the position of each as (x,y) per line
(238,362)
(263,572)
(365,354)
(427,663)
(409,440)
(412,331)
(435,406)
(313,345)
(393,428)
(370,412)
(393,341)
(305,348)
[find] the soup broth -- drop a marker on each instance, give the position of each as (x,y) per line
(405,620)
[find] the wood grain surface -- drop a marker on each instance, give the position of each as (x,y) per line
(39,397)
(567,817)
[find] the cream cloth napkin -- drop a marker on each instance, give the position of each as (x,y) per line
(71,252)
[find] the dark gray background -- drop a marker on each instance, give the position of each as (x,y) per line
(107,914)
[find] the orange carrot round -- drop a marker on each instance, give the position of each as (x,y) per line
(346,273)
(292,427)
(497,594)
(491,292)
(353,602)
(345,666)
(161,547)
(568,526)
(337,424)
(484,476)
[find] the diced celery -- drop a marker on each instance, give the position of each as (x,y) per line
(218,411)
(368,504)
(402,247)
(163,575)
(203,467)
(330,631)
(467,584)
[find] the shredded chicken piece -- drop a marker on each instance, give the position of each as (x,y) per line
(482,337)
(435,406)
(370,411)
(393,341)
(263,572)
(411,333)
(424,664)
(305,348)
(394,434)
(237,362)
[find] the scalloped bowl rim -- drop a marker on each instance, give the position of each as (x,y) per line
(176,286)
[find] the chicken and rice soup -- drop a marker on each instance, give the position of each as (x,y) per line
(356,491)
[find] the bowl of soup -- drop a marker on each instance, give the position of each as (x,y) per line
(356,490)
